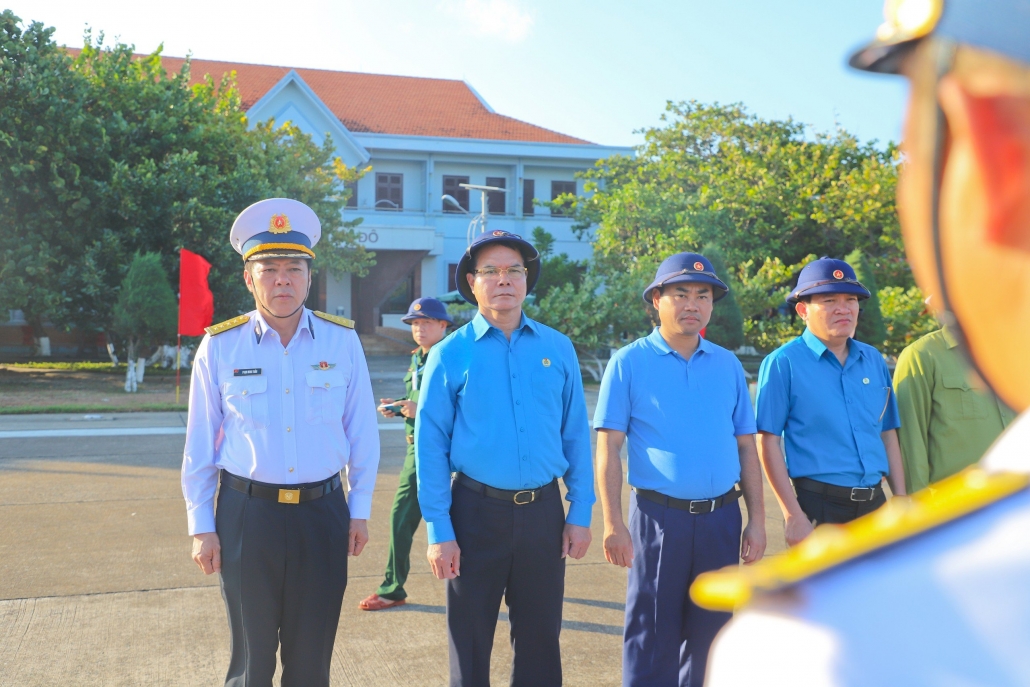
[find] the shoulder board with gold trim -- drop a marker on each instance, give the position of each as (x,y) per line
(216,329)
(831,545)
(335,319)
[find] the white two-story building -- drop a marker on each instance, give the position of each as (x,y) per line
(422,139)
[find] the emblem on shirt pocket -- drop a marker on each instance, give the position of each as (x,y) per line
(546,362)
(323,366)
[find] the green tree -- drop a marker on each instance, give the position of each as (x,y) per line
(599,314)
(145,313)
(107,155)
(871,328)
(726,327)
(905,316)
(50,146)
(555,270)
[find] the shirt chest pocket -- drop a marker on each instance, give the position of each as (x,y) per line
(959,396)
(327,391)
(547,388)
(245,398)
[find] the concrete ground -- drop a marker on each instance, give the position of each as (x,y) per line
(97,586)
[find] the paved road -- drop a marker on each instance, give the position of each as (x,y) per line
(97,588)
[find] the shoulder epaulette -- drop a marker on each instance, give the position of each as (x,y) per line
(227,325)
(335,319)
(832,545)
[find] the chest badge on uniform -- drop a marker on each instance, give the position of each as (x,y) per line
(246,372)
(865,380)
(547,362)
(323,366)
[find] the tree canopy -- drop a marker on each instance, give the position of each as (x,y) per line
(770,194)
(105,154)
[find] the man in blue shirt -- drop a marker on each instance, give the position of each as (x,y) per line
(832,400)
(683,403)
(502,406)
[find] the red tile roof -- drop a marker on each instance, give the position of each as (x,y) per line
(380,104)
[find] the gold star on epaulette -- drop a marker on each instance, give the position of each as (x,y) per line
(832,545)
(335,319)
(216,329)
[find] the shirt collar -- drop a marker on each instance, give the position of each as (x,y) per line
(261,327)
(480,326)
(819,348)
(949,339)
(662,346)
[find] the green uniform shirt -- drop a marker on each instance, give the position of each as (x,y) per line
(946,423)
(413,384)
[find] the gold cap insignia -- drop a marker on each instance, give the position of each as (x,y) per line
(279,224)
(837,274)
(905,20)
(499,233)
(547,362)
(699,266)
(417,306)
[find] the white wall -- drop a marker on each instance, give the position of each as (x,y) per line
(337,295)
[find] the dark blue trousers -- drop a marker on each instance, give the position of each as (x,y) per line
(667,637)
(511,552)
(284,571)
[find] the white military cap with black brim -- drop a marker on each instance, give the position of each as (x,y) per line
(530,256)
(276,228)
(1001,26)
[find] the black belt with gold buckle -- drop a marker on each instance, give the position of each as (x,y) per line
(857,494)
(282,493)
(692,506)
(520,497)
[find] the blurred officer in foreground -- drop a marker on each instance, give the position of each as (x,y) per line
(930,590)
(502,406)
(831,399)
(948,420)
(429,320)
(280,403)
(683,403)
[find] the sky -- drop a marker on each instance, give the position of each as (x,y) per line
(600,69)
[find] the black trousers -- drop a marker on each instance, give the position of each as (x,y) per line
(828,509)
(513,552)
(284,571)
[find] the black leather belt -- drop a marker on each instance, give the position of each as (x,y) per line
(844,493)
(519,497)
(286,493)
(692,506)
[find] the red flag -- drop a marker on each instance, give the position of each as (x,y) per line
(196,304)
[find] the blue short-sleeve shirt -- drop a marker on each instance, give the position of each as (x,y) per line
(681,417)
(830,415)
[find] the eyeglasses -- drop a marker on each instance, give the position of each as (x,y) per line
(514,272)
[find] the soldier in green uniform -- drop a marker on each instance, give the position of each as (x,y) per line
(429,319)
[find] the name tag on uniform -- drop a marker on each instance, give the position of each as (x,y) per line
(246,372)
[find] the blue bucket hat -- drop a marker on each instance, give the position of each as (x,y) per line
(427,309)
(827,275)
(686,267)
(514,241)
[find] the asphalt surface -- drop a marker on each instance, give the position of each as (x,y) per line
(97,586)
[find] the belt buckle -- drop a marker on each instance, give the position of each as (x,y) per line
(532,497)
(289,496)
(711,507)
(854,489)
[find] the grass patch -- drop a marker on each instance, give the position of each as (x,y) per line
(145,408)
(88,366)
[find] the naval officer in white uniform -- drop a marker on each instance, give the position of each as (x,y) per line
(280,404)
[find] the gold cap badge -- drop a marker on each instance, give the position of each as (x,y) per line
(837,274)
(279,224)
(417,306)
(699,266)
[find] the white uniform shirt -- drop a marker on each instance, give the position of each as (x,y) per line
(948,607)
(279,415)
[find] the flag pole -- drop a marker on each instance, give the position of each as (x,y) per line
(178,367)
